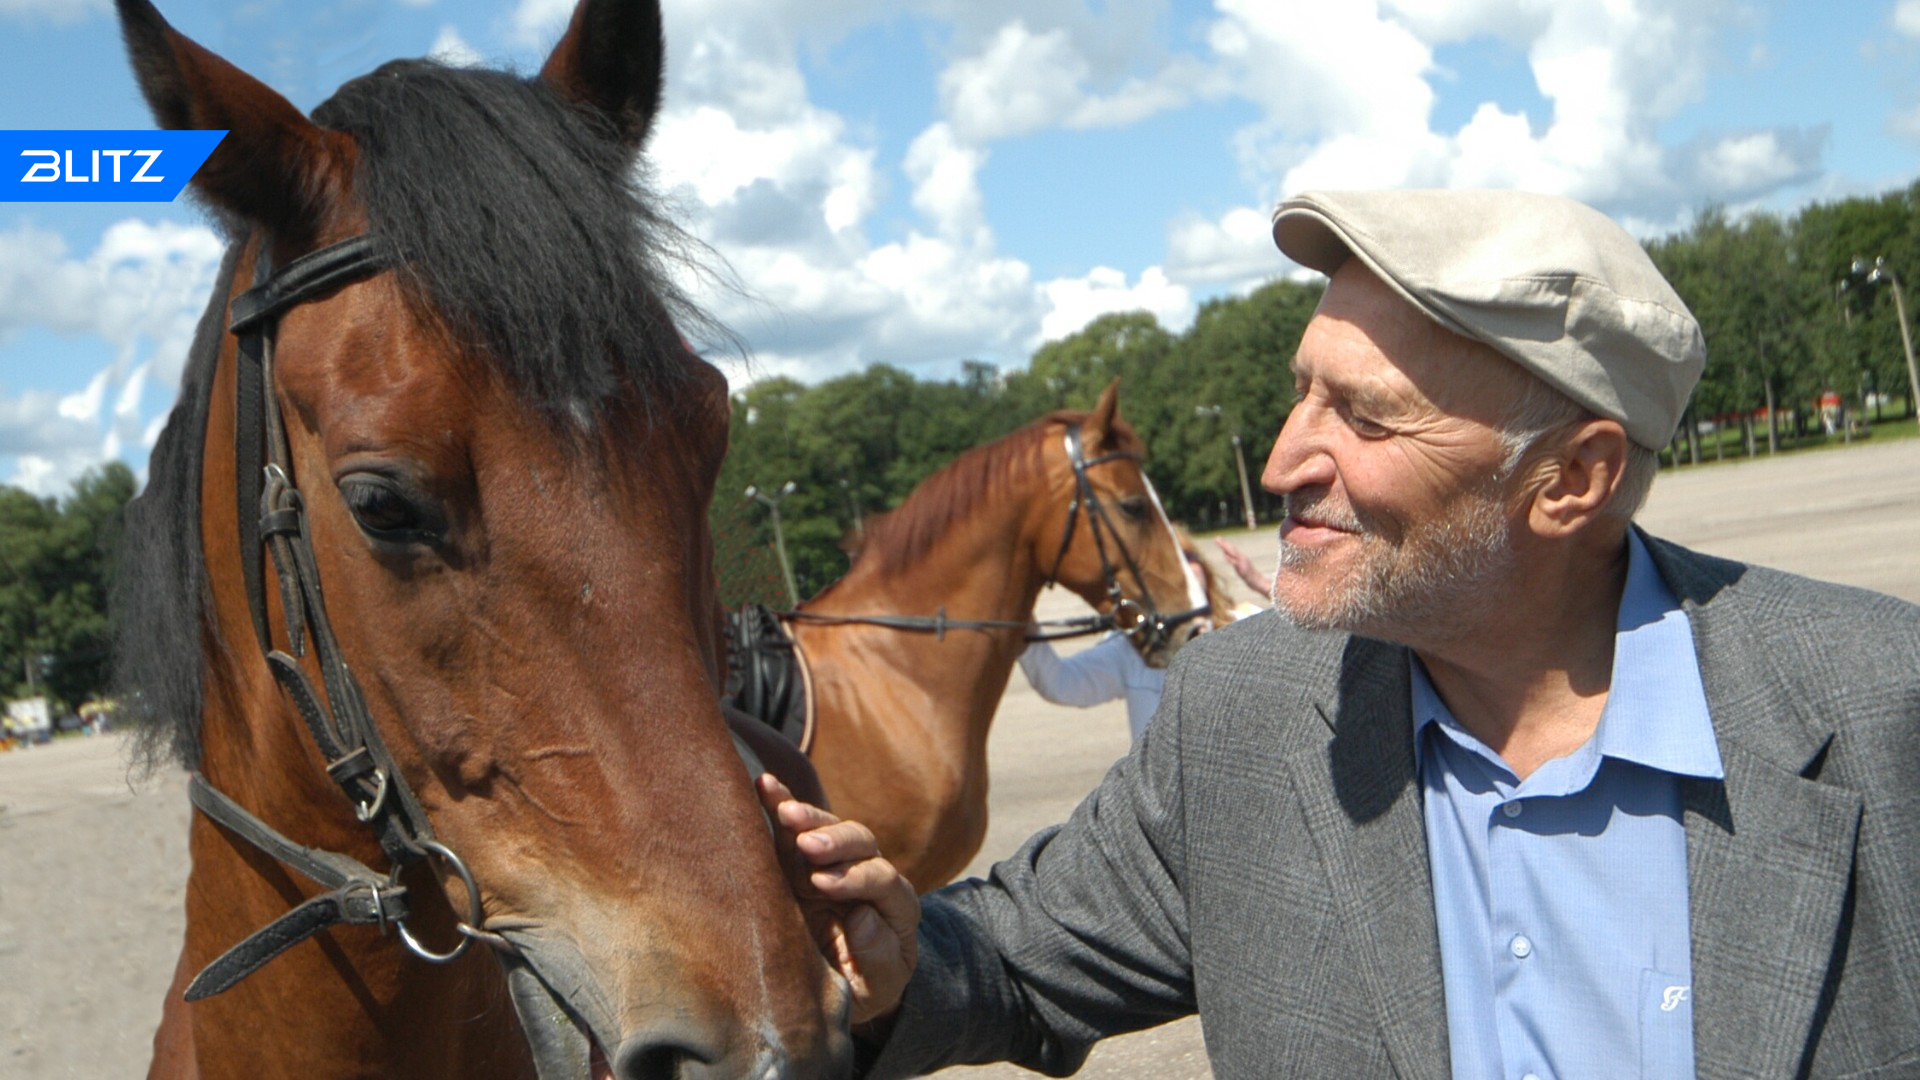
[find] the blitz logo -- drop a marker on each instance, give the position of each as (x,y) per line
(49,170)
(100,166)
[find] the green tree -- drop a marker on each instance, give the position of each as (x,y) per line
(57,561)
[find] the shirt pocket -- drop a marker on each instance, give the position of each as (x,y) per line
(1666,1025)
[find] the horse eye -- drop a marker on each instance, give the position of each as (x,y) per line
(387,511)
(1135,507)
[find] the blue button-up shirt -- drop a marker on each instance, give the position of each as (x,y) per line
(1562,899)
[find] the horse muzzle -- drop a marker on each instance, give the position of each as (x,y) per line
(575,1032)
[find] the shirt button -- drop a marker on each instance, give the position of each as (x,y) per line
(1530,1076)
(1512,809)
(1520,947)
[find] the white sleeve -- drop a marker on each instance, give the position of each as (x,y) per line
(1088,678)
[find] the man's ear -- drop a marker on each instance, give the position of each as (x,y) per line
(1576,479)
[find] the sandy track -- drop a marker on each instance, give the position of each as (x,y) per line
(92,867)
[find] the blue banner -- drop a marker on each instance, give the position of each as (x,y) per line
(100,166)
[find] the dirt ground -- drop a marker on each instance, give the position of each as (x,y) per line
(92,866)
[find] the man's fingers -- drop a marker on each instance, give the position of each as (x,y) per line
(838,842)
(801,818)
(873,881)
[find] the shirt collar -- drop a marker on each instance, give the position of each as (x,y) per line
(1656,713)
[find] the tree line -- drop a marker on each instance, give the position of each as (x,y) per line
(57,559)
(1787,316)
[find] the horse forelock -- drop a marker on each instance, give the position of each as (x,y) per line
(524,228)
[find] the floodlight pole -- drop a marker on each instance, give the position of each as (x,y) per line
(1240,463)
(1873,274)
(772,503)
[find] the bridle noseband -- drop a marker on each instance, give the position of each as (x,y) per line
(273,516)
(1143,623)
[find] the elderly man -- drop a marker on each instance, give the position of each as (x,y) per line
(1504,787)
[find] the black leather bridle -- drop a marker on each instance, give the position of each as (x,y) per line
(273,516)
(1142,622)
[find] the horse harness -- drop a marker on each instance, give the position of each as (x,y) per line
(272,515)
(342,728)
(1143,623)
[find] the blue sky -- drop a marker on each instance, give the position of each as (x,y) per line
(920,182)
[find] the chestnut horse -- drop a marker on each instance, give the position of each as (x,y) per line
(482,650)
(902,705)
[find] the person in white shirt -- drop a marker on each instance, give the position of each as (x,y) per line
(1112,668)
(1108,670)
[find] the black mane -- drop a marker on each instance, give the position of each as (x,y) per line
(521,227)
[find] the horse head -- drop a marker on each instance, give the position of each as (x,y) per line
(1114,544)
(489,460)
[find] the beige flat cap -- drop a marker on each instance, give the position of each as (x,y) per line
(1555,286)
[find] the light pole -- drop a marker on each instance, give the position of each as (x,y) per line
(1239,461)
(772,503)
(853,503)
(1872,275)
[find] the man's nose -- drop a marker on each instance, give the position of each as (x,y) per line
(1298,459)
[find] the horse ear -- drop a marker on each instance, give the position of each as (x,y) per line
(613,61)
(1098,426)
(274,164)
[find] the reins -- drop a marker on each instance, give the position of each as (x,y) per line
(1145,624)
(273,516)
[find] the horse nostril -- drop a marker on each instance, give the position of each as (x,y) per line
(663,1054)
(652,1057)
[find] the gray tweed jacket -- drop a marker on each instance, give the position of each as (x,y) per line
(1261,859)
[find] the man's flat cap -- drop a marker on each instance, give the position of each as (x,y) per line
(1555,286)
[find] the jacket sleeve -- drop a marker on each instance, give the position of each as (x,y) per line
(1079,935)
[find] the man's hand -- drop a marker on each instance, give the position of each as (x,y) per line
(1243,566)
(863,914)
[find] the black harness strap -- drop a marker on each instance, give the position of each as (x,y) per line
(273,520)
(359,895)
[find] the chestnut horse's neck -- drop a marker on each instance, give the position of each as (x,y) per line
(902,717)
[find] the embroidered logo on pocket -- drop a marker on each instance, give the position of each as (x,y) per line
(1671,1000)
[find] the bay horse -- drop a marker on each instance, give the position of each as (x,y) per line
(902,709)
(440,383)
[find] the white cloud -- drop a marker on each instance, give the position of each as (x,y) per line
(1235,248)
(141,291)
(1347,96)
(539,22)
(1023,82)
(54,11)
(945,173)
(1906,17)
(1075,302)
(452,49)
(1747,161)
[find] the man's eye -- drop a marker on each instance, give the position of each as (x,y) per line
(1365,428)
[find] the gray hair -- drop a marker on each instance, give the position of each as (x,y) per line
(1542,410)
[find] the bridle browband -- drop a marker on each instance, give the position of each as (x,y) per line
(1143,623)
(273,516)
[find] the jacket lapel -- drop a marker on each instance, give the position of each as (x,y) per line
(1363,807)
(1769,851)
